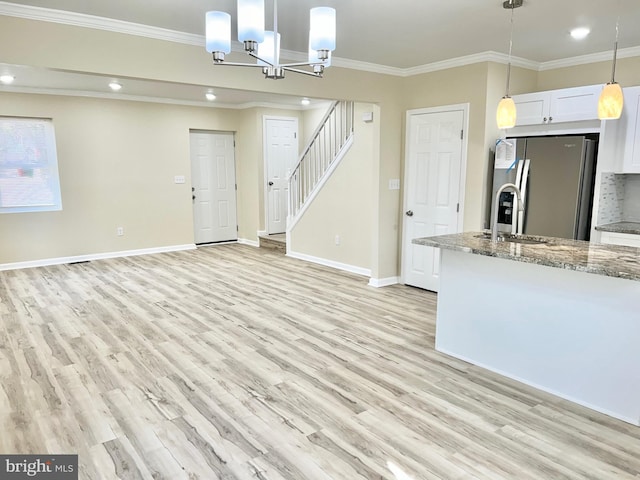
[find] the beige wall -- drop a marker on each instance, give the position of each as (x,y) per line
(311,120)
(343,206)
(454,86)
(72,48)
(117,162)
(95,51)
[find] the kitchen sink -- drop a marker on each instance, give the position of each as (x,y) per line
(525,240)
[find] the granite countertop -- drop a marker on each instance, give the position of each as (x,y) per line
(621,227)
(608,260)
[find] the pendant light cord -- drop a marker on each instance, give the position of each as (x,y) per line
(510,48)
(615,51)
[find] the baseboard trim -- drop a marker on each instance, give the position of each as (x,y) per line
(383,282)
(94,256)
(330,263)
(246,241)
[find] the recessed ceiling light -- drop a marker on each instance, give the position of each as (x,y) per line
(115,86)
(305,101)
(7,79)
(580,33)
(210,96)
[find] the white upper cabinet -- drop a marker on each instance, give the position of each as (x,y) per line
(556,106)
(630,122)
(532,108)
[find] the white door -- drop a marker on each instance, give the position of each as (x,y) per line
(281,155)
(433,180)
(213,185)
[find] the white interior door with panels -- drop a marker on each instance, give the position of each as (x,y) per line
(434,187)
(213,187)
(281,155)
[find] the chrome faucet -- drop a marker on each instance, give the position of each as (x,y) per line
(494,222)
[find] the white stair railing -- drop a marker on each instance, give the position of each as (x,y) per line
(331,138)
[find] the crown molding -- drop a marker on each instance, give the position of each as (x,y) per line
(591,58)
(129,28)
(469,60)
(99,23)
(143,98)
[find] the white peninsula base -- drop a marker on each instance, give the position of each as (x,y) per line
(570,333)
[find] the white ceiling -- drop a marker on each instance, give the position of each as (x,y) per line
(397,35)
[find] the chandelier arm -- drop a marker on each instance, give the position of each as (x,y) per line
(236,64)
(297,70)
(262,60)
(301,64)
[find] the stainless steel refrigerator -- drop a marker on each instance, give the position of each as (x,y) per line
(556,177)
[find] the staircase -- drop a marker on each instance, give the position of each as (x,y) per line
(277,242)
(329,143)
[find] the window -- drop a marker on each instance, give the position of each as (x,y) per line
(29,179)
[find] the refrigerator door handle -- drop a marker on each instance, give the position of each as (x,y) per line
(515,215)
(523,190)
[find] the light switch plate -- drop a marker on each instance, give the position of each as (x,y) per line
(179,179)
(394,184)
(367,117)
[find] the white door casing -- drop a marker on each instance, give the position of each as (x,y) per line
(434,187)
(281,155)
(213,182)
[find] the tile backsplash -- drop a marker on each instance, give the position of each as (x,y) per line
(631,203)
(612,192)
(619,198)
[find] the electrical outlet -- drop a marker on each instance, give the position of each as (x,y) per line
(337,239)
(120,231)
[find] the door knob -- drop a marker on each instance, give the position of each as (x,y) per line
(193,197)
(409,213)
(270,183)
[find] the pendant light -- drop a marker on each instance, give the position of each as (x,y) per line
(506,113)
(611,99)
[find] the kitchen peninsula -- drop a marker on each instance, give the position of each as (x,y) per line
(560,315)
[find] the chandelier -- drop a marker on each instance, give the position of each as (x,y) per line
(264,46)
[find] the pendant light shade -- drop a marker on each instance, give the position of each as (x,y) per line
(322,31)
(218,30)
(611,102)
(251,21)
(611,99)
(506,113)
(267,50)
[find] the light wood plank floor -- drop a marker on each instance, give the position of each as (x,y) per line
(232,362)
